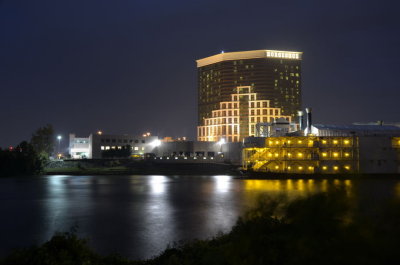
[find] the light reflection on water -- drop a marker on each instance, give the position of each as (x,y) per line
(138,216)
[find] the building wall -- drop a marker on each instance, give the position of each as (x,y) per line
(274,76)
(236,119)
(377,155)
(330,154)
(139,144)
(79,147)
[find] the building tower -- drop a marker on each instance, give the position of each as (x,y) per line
(273,75)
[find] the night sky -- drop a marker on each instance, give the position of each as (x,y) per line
(127,66)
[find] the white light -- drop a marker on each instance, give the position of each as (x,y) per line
(221,141)
(59,137)
(155,143)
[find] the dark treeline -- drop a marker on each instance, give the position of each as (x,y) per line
(28,158)
(20,160)
(321,229)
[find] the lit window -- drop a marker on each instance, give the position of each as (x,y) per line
(300,168)
(276,167)
(300,154)
(310,168)
(289,154)
(300,141)
(324,154)
(347,167)
(335,154)
(289,141)
(276,154)
(346,154)
(276,142)
(107,148)
(335,168)
(142,148)
(269,154)
(102,147)
(346,141)
(324,141)
(335,141)
(289,167)
(324,168)
(136,148)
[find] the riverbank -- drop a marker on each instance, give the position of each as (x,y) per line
(140,167)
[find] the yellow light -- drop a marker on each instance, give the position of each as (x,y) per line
(289,154)
(289,167)
(299,154)
(299,141)
(310,168)
(291,141)
(99,132)
(346,154)
(269,154)
(346,141)
(347,167)
(324,168)
(324,141)
(335,167)
(335,142)
(276,167)
(276,154)
(310,142)
(300,168)
(324,154)
(271,142)
(277,142)
(335,154)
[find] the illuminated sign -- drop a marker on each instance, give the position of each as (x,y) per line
(284,55)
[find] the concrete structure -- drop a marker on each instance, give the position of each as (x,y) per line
(354,129)
(273,75)
(237,118)
(92,146)
(195,151)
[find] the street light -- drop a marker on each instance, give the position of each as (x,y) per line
(59,137)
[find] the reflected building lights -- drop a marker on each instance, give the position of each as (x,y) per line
(222,183)
(157,184)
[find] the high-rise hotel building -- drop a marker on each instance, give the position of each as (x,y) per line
(273,75)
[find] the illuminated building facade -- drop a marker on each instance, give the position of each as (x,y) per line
(330,155)
(236,119)
(95,144)
(273,75)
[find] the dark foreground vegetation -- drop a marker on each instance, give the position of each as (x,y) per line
(321,229)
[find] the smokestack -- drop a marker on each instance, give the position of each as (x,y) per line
(309,120)
(300,114)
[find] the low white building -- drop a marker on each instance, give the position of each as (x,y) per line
(92,147)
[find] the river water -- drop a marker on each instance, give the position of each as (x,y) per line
(138,216)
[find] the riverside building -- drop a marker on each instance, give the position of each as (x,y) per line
(330,149)
(92,146)
(273,75)
(237,118)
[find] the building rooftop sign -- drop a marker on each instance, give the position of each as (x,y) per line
(228,56)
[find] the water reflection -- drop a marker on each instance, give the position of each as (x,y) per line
(222,183)
(157,184)
(138,216)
